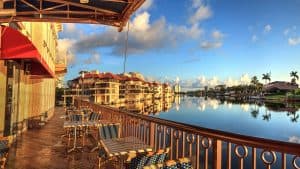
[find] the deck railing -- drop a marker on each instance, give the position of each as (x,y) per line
(207,148)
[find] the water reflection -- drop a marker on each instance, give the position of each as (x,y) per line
(256,109)
(147,107)
(254,118)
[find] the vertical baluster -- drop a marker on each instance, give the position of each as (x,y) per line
(151,136)
(165,134)
(145,131)
(228,155)
(267,162)
(241,156)
(206,144)
(183,143)
(191,141)
(171,143)
(159,131)
(283,160)
(217,152)
(198,152)
(177,143)
(253,158)
(139,129)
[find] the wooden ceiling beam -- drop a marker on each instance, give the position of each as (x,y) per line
(83,6)
(60,20)
(29,4)
(54,7)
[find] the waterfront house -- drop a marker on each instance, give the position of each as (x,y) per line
(279,87)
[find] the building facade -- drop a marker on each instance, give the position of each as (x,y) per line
(27,74)
(108,88)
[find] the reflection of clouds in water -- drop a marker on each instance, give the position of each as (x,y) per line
(229,105)
(213,104)
(177,107)
(201,106)
(245,107)
(294,139)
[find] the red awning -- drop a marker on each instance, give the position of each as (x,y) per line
(16,46)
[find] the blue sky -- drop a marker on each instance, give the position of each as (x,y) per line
(200,42)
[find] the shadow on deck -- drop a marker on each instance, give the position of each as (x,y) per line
(44,148)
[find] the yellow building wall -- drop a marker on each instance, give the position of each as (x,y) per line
(2,95)
(36,95)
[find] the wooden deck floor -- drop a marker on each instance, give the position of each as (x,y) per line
(44,149)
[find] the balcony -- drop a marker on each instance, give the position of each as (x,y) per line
(206,148)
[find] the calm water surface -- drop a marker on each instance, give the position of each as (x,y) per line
(272,121)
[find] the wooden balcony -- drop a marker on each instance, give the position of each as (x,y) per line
(206,147)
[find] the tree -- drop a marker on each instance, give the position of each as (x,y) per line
(254,113)
(255,83)
(294,75)
(266,77)
(254,80)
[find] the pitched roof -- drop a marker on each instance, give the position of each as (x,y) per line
(280,85)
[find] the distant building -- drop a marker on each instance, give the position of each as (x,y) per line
(220,87)
(109,88)
(280,86)
(177,88)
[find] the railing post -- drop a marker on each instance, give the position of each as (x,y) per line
(217,154)
(152,134)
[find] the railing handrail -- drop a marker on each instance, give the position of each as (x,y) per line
(257,142)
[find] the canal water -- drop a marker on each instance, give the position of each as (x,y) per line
(277,121)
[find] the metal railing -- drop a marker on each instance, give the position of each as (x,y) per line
(207,148)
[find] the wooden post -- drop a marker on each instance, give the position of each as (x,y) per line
(152,134)
(217,154)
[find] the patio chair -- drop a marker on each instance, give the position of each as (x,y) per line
(152,158)
(158,157)
(139,160)
(182,163)
(4,148)
(109,131)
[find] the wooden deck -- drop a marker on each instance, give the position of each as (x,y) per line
(44,148)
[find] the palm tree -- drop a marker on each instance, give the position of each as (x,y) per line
(267,116)
(294,75)
(294,117)
(254,113)
(266,77)
(255,82)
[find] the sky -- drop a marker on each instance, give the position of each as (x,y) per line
(199,42)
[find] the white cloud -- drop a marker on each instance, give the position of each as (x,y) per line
(192,32)
(196,3)
(231,82)
(216,42)
(93,59)
(254,38)
(211,45)
(144,36)
(245,79)
(294,139)
(294,41)
(147,4)
(217,35)
(63,50)
(201,13)
(70,27)
(286,31)
(267,28)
